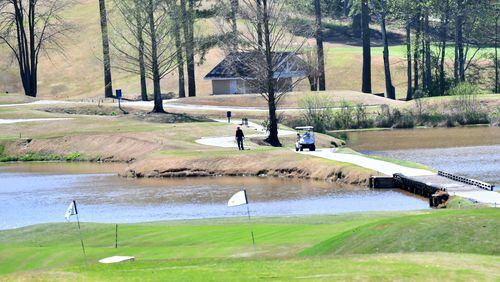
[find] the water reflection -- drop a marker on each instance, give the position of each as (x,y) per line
(43,194)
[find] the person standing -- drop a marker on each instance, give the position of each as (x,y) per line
(239,138)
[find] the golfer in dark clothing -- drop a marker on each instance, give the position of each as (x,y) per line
(239,138)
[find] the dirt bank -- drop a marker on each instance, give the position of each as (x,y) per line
(272,164)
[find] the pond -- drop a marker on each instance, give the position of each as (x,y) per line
(40,192)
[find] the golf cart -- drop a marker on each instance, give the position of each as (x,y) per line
(306,139)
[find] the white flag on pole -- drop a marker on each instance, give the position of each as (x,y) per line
(71,210)
(238,199)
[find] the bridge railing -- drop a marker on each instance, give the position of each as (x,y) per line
(477,183)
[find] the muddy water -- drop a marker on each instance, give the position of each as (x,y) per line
(43,191)
(472,151)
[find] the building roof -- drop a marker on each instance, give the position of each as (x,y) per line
(250,65)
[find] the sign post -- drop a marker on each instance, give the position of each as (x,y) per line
(119,97)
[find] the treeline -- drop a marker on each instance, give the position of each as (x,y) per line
(447,41)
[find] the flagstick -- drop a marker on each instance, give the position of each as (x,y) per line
(251,229)
(116,237)
(81,238)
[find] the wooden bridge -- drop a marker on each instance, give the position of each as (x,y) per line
(437,187)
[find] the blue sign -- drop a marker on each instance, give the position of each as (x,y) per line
(118,93)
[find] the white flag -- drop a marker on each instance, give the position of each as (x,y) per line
(238,199)
(71,210)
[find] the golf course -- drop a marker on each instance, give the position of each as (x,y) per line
(249,140)
(455,244)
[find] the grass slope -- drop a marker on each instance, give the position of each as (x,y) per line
(475,231)
(438,245)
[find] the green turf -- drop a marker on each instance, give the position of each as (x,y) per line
(475,231)
(464,243)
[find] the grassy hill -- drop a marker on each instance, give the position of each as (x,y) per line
(77,73)
(221,249)
(419,233)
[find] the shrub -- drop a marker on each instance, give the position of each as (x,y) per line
(464,88)
(317,112)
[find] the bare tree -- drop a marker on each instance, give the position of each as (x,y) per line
(153,45)
(108,85)
(162,55)
(127,39)
(267,62)
(28,28)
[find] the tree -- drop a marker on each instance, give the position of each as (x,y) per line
(458,71)
(366,86)
(188,26)
(157,51)
(163,56)
(108,85)
(381,13)
(319,46)
(29,28)
(132,21)
(176,15)
(266,62)
(445,14)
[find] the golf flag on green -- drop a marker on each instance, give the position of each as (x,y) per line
(71,210)
(238,199)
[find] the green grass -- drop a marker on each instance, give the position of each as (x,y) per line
(444,244)
(475,231)
(42,157)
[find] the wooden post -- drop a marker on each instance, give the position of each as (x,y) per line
(116,236)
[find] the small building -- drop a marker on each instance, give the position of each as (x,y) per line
(244,72)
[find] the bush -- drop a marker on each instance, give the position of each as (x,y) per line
(387,118)
(463,89)
(318,112)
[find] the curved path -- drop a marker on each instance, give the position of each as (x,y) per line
(359,160)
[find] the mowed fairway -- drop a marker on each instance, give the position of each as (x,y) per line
(434,245)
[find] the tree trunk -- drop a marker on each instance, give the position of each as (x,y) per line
(409,90)
(259,23)
(427,52)
(416,53)
(366,86)
(345,8)
(158,101)
(444,37)
(234,25)
(313,82)
(356,25)
(272,139)
(459,70)
(180,59)
(188,16)
(497,86)
(142,65)
(319,46)
(389,88)
(108,87)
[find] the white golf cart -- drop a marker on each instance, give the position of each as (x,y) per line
(305,138)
